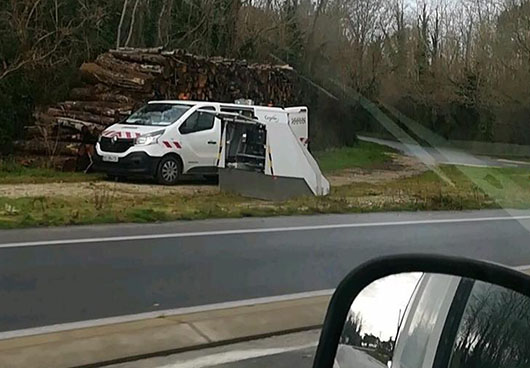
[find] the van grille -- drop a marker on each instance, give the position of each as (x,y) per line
(120,145)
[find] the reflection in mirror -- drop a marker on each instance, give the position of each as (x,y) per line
(440,321)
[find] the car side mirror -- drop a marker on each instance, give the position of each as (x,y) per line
(428,312)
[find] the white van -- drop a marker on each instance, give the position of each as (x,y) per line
(445,319)
(166,139)
(449,322)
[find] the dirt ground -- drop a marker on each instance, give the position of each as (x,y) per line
(115,188)
(400,167)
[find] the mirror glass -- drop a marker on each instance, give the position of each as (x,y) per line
(415,320)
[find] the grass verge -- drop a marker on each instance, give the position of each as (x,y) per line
(471,188)
(12,172)
(364,155)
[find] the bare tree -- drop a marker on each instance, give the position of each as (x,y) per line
(363,21)
(310,47)
(38,39)
(133,20)
(423,44)
(120,25)
(164,21)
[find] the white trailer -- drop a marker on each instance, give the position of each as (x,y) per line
(266,159)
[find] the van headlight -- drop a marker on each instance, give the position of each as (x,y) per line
(147,139)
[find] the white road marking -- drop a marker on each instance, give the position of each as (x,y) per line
(257,231)
(233,356)
(514,161)
(176,311)
(157,314)
(465,164)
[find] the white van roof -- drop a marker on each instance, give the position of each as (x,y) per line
(239,106)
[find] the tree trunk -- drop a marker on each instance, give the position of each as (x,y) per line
(123,11)
(133,81)
(131,27)
(140,57)
(108,61)
(80,115)
(90,94)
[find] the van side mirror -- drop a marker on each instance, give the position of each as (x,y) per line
(428,311)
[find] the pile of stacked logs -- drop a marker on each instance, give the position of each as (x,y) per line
(120,81)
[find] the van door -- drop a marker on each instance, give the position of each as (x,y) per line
(200,139)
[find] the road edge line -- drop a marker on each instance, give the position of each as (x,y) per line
(62,327)
(122,342)
(259,230)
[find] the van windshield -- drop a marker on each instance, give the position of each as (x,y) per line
(157,114)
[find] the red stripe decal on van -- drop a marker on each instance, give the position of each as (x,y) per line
(177,144)
(128,134)
(166,143)
(137,135)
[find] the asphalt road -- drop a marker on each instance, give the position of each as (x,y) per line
(128,270)
(447,155)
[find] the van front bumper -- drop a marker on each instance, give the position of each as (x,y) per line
(134,164)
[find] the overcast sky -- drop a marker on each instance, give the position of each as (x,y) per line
(380,303)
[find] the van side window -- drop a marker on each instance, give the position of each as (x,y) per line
(198,121)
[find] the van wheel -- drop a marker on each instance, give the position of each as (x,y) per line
(169,171)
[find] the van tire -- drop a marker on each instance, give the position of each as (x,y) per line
(169,170)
